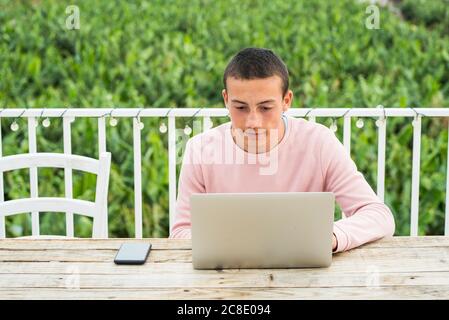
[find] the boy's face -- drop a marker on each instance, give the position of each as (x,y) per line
(255,107)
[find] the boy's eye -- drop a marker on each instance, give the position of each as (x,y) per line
(263,108)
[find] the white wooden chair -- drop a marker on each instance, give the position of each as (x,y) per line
(97,210)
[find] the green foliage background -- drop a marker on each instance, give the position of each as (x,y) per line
(173,53)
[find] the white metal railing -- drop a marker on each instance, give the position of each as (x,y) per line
(69,115)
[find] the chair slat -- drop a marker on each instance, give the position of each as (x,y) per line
(46,160)
(48,204)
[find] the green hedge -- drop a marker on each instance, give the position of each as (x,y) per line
(173,53)
(431,14)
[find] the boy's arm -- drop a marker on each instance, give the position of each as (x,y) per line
(190,181)
(368,218)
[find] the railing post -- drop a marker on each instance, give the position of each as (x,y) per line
(2,196)
(347,134)
(207,123)
(172,168)
(446,220)
(68,173)
(414,220)
(101,149)
(381,144)
(137,179)
(33,174)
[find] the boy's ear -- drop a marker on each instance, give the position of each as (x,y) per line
(287,100)
(225,97)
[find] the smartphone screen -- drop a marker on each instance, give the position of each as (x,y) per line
(132,253)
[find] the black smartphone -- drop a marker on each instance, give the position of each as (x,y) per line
(133,253)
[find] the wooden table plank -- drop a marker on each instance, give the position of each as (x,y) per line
(359,258)
(92,244)
(240,280)
(107,267)
(182,244)
(337,293)
(97,255)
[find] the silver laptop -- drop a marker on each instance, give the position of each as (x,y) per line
(262,230)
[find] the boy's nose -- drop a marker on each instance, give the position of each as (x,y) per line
(253,122)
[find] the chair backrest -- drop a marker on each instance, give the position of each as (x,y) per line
(97,210)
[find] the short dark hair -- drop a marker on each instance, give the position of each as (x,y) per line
(257,63)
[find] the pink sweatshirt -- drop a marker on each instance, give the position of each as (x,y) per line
(309,158)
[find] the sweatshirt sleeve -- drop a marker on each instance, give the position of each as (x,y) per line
(190,181)
(367,217)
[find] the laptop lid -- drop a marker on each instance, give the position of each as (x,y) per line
(262,230)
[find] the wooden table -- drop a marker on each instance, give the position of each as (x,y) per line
(396,268)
